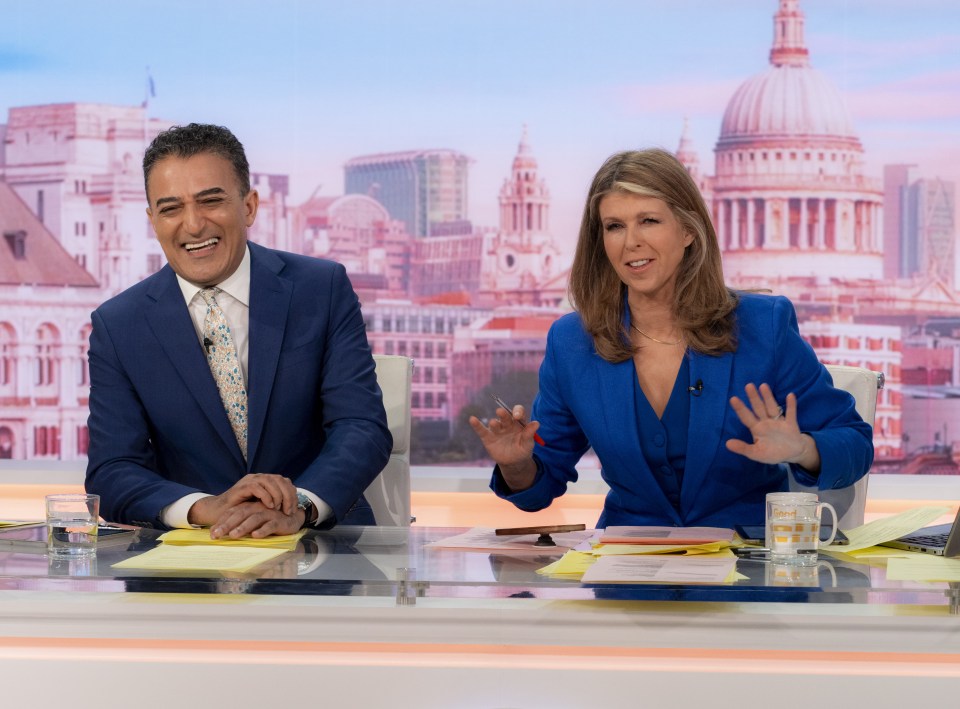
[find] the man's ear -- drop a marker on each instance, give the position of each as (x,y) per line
(251,202)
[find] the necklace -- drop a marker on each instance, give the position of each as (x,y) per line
(650,337)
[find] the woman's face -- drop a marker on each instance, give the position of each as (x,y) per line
(645,244)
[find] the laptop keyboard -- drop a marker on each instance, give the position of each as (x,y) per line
(927,539)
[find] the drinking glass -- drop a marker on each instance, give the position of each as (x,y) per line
(72,524)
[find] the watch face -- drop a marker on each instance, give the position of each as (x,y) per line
(303,502)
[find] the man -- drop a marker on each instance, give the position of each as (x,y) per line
(235,387)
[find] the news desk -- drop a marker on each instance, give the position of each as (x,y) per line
(371,617)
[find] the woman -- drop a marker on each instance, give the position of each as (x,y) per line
(646,372)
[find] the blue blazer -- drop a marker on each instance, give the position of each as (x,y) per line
(585,401)
(158,430)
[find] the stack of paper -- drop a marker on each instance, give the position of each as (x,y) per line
(660,569)
(623,541)
(186,537)
(200,557)
(619,556)
(194,550)
(674,536)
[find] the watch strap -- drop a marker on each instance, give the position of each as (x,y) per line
(306,504)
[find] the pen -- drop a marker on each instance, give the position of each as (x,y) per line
(503,405)
(751,552)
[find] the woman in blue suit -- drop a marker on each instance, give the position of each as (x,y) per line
(650,369)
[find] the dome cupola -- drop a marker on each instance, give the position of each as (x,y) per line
(790,99)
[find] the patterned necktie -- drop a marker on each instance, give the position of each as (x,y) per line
(225,366)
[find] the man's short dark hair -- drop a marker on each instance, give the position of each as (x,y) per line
(193,139)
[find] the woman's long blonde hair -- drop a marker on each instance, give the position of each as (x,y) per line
(703,306)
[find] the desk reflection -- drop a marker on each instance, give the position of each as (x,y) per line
(831,580)
(337,562)
(369,561)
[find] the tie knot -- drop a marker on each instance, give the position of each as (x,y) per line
(209,295)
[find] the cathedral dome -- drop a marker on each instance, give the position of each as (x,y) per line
(786,101)
(791,99)
(789,192)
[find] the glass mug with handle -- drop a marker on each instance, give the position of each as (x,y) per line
(799,576)
(793,527)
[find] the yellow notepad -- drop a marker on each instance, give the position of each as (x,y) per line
(572,564)
(626,549)
(200,557)
(180,537)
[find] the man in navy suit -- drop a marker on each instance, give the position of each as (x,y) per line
(235,387)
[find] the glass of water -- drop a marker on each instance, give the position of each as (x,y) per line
(72,524)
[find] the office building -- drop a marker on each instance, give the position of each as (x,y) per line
(425,189)
(928,230)
(919,226)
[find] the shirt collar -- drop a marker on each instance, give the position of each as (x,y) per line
(237,284)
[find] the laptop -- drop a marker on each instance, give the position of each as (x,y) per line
(940,539)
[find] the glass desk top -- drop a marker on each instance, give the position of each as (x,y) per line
(388,561)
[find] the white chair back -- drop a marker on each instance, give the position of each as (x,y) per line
(389,493)
(864,385)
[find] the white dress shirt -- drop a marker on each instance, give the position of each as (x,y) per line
(235,304)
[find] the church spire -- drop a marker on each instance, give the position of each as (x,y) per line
(524,163)
(685,150)
(789,47)
(687,155)
(524,146)
(520,259)
(524,198)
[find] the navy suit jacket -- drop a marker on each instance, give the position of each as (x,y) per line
(585,401)
(158,430)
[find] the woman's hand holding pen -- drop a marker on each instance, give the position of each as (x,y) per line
(510,444)
(776,435)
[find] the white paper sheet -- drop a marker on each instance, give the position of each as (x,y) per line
(659,569)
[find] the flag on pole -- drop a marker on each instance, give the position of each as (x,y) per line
(150,90)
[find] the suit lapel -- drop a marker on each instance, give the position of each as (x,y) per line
(269,304)
(707,413)
(616,385)
(168,318)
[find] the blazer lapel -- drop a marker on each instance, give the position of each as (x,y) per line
(707,413)
(168,318)
(269,304)
(616,384)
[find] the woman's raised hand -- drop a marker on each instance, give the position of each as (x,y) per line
(509,442)
(776,435)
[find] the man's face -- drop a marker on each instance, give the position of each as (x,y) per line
(200,216)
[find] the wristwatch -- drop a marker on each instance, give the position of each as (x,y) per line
(306,504)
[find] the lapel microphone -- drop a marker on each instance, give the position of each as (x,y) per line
(208,343)
(696,389)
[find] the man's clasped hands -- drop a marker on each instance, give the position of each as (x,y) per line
(258,505)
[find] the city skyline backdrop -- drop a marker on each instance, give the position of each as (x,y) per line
(307,86)
(810,192)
